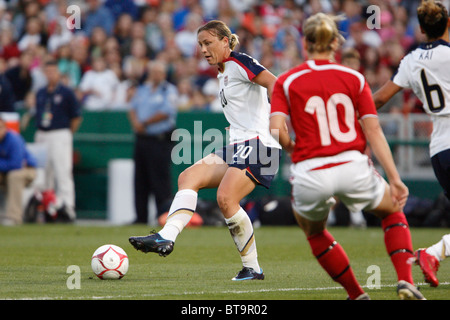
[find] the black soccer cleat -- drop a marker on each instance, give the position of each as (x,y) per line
(152,243)
(248,274)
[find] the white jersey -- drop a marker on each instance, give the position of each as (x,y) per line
(245,103)
(425,71)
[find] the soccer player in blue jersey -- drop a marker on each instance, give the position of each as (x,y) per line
(424,70)
(251,158)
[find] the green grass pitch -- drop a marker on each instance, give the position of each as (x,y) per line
(35,259)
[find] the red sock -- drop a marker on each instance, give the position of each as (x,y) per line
(398,244)
(334,260)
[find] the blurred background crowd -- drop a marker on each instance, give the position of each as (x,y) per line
(107,57)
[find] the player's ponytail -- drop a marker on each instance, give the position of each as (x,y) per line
(234,41)
(320,32)
(433,18)
(324,36)
(220,30)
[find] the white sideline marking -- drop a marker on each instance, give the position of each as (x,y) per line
(206,293)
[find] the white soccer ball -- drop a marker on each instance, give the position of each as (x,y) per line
(109,262)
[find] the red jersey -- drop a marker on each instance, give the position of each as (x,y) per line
(324,100)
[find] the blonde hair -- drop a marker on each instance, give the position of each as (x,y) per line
(320,31)
(220,30)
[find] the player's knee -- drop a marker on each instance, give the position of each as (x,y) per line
(184,178)
(224,200)
(188,179)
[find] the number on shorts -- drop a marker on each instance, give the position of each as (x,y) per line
(327,117)
(243,151)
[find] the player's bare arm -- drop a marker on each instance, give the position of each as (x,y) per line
(386,92)
(279,131)
(267,80)
(380,147)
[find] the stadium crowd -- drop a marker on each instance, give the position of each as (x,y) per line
(106,56)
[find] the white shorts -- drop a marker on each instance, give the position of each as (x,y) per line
(350,176)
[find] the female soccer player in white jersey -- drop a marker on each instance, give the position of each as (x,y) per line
(325,102)
(251,158)
(425,71)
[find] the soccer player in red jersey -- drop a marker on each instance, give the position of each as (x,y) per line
(332,113)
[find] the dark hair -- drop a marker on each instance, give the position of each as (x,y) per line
(433,18)
(51,62)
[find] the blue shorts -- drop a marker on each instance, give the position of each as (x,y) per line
(260,162)
(441,167)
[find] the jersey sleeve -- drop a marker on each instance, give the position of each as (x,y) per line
(365,104)
(250,68)
(401,78)
(279,102)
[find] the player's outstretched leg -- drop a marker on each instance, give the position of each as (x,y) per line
(152,243)
(180,213)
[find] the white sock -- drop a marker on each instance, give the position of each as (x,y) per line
(241,230)
(180,213)
(440,250)
(357,218)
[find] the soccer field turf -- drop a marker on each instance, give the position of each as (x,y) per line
(35,259)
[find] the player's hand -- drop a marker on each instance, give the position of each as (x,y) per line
(290,148)
(399,193)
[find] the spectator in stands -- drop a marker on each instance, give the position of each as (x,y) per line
(79,49)
(60,35)
(124,91)
(68,66)
(351,58)
(152,117)
(287,34)
(185,94)
(5,20)
(97,86)
(153,33)
(181,13)
(97,15)
(186,39)
(58,116)
(112,53)
(122,30)
(119,7)
(6,93)
(24,11)
(33,36)
(20,77)
(134,64)
(8,47)
(97,41)
(17,171)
